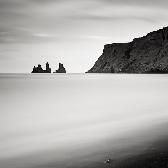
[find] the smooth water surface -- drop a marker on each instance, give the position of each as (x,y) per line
(64,120)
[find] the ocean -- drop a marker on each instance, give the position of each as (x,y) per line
(79,120)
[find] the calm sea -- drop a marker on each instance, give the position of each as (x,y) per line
(70,120)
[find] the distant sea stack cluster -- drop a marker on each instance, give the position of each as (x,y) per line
(39,69)
(148,54)
(61,69)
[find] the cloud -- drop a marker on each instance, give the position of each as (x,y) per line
(43,35)
(151,3)
(162,3)
(115,18)
(23,35)
(45,1)
(47,19)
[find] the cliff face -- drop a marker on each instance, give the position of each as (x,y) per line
(148,54)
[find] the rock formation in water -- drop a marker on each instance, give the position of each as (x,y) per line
(148,54)
(39,69)
(61,69)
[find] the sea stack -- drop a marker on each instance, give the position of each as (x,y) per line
(61,69)
(39,69)
(148,54)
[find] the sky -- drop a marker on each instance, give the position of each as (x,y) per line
(72,32)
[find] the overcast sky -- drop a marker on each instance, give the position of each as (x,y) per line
(71,31)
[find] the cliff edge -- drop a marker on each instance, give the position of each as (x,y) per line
(148,54)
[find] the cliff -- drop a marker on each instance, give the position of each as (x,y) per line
(148,54)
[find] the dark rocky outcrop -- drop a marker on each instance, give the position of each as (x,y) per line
(61,69)
(39,69)
(148,54)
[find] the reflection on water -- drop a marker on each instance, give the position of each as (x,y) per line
(49,119)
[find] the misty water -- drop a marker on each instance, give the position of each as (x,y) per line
(64,120)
